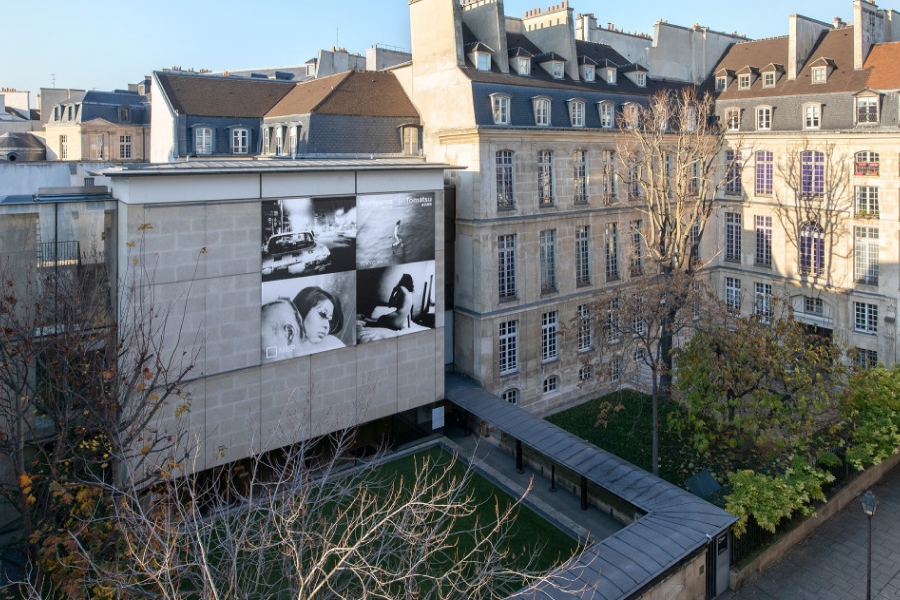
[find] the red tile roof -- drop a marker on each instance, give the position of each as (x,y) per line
(883,66)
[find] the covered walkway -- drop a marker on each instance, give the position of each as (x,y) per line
(675,527)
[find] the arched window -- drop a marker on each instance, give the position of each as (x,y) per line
(866,163)
(551,384)
(541,110)
(511,396)
(812,248)
(586,373)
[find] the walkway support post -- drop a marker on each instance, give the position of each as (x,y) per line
(552,478)
(583,492)
(519,468)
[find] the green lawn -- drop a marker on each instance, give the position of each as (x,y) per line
(530,530)
(628,433)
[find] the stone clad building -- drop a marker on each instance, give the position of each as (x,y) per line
(812,215)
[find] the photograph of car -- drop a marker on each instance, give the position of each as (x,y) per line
(293,254)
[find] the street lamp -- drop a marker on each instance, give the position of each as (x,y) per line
(869,505)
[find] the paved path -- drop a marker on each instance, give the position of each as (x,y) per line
(831,563)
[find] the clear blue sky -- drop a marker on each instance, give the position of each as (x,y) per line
(106,44)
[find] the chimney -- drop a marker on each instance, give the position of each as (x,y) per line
(868,30)
(802,36)
(487,22)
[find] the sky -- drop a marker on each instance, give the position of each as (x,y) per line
(107,44)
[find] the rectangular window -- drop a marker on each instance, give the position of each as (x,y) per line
(124,146)
(813,306)
(608,177)
(240,141)
(641,79)
(733,119)
(865,317)
(279,140)
(637,320)
(524,66)
(744,82)
(867,201)
(97,146)
(548,260)
(503,161)
(541,112)
(733,295)
(721,82)
(612,251)
(733,163)
(576,114)
(637,247)
(763,307)
(865,254)
(764,171)
(585,328)
(549,339)
(509,347)
(695,242)
(557,70)
(64,147)
(616,369)
(812,116)
(545,178)
(635,190)
(812,173)
(607,115)
(613,320)
(866,359)
(501,109)
(763,119)
(733,230)
(818,74)
(867,110)
(769,79)
(580,176)
(203,140)
(867,164)
(266,143)
(551,384)
(506,262)
(582,255)
(763,241)
(484,61)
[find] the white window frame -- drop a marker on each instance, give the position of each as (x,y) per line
(504,162)
(410,135)
(524,65)
(97,143)
(267,140)
(733,119)
(763,305)
(506,266)
(64,147)
(557,69)
(240,140)
(542,114)
(733,295)
(865,318)
(721,83)
(607,112)
(582,255)
(744,81)
(292,140)
(511,395)
(819,75)
(508,350)
(866,241)
(549,336)
(580,177)
(546,183)
(872,102)
(125,147)
(482,61)
(203,141)
(764,118)
(576,113)
(279,140)
(641,79)
(812,116)
(500,109)
(589,73)
(585,334)
(551,384)
(866,201)
(768,79)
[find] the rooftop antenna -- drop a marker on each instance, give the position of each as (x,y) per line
(53,79)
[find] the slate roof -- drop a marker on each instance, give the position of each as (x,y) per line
(20,141)
(219,96)
(677,524)
(353,93)
(835,45)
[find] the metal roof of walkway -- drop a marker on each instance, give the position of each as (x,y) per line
(677,524)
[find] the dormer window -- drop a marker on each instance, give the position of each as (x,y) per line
(557,70)
(641,79)
(607,114)
(721,84)
(733,119)
(483,61)
(480,55)
(769,79)
(524,66)
(56,113)
(819,74)
(410,135)
(500,108)
(744,81)
(69,113)
(541,111)
(124,114)
(203,140)
(576,113)
(611,76)
(867,110)
(588,72)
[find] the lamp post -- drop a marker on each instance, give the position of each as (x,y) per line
(868,505)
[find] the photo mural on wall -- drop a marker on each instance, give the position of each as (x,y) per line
(341,271)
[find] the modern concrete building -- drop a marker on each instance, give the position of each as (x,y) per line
(812,216)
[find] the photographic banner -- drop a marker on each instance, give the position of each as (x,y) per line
(339,271)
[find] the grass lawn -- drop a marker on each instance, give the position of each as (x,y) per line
(530,530)
(629,433)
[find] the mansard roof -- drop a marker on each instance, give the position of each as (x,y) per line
(352,93)
(834,47)
(220,96)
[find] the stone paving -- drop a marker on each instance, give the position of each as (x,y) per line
(831,563)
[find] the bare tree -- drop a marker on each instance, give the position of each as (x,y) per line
(309,522)
(84,376)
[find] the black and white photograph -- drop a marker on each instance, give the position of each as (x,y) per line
(307,315)
(394,301)
(308,236)
(395,229)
